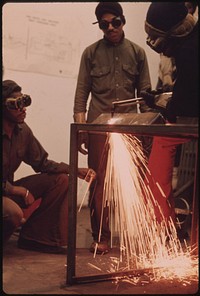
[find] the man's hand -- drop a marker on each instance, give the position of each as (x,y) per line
(24,193)
(149,98)
(83,136)
(28,198)
(87,174)
(83,140)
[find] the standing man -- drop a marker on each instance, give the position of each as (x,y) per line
(173,31)
(167,67)
(46,229)
(113,68)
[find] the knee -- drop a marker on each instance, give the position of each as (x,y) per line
(63,180)
(17,218)
(14,218)
(11,222)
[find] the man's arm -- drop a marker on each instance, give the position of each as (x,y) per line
(83,89)
(144,81)
(83,86)
(37,157)
(26,195)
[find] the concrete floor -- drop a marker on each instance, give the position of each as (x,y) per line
(28,272)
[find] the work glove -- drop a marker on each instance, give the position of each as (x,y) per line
(167,87)
(83,136)
(157,100)
(149,97)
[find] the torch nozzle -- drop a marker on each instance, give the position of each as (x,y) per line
(128,102)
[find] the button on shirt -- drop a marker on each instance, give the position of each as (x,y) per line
(110,72)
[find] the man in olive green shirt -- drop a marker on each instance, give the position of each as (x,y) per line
(113,68)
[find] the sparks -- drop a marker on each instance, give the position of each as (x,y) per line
(144,243)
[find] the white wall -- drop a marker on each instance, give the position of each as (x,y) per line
(48,74)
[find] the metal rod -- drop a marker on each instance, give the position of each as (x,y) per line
(164,130)
(195,210)
(113,275)
(72,205)
(129,101)
(183,188)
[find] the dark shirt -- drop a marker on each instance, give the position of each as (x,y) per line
(185,98)
(110,72)
(24,147)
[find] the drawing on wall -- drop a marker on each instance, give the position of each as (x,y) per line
(40,44)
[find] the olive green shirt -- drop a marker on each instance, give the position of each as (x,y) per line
(110,72)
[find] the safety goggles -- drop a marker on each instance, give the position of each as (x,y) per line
(18,103)
(115,22)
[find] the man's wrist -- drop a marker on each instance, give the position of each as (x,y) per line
(79,117)
(26,195)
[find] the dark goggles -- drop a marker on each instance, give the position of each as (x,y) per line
(104,25)
(18,103)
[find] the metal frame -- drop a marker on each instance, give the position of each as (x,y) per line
(172,130)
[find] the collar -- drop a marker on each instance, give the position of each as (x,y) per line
(16,130)
(108,42)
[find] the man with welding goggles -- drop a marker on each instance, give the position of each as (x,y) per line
(46,229)
(173,31)
(113,68)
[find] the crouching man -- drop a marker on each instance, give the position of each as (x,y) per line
(46,229)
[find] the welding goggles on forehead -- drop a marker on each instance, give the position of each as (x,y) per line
(115,22)
(18,103)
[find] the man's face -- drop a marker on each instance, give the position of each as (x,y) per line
(114,30)
(15,116)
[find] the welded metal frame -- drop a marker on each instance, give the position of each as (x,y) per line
(172,130)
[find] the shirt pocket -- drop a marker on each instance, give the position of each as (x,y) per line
(131,76)
(101,79)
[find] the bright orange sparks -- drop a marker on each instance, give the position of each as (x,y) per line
(144,243)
